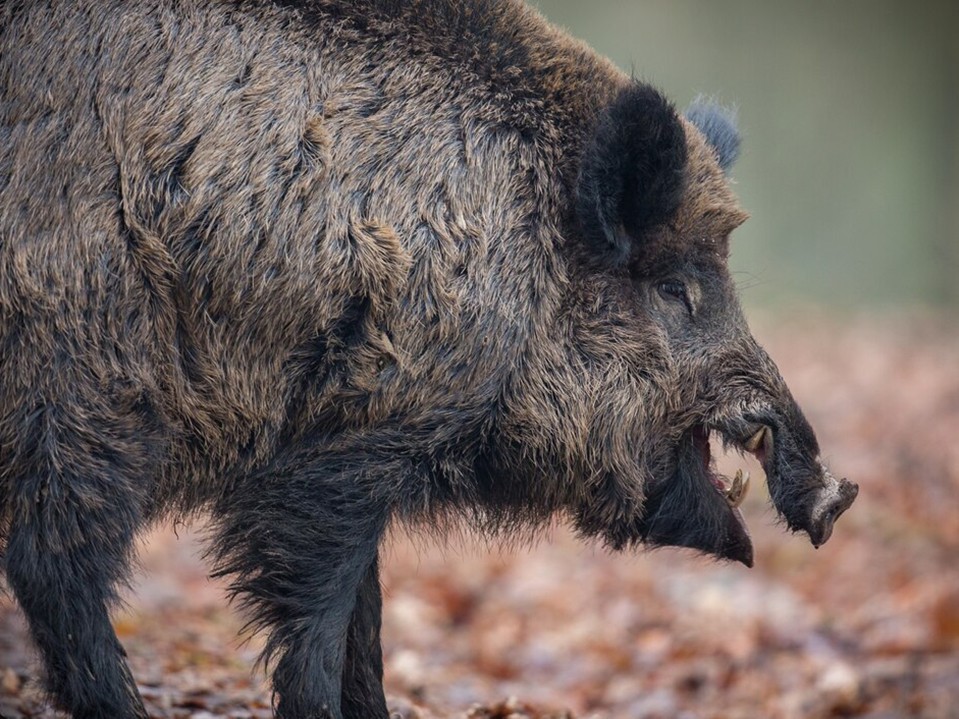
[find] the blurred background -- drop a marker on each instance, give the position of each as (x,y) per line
(850,116)
(849,271)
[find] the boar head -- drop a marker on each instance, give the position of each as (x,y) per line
(657,357)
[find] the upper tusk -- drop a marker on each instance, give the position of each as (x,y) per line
(754,442)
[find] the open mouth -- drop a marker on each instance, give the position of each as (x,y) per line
(723,529)
(700,508)
(733,489)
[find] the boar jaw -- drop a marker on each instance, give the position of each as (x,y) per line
(698,508)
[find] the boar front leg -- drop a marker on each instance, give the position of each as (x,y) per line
(300,539)
(76,510)
(363,673)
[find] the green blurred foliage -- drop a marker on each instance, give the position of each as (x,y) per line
(850,116)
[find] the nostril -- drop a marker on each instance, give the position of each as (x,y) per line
(821,531)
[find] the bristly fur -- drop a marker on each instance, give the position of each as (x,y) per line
(718,125)
(321,267)
(631,175)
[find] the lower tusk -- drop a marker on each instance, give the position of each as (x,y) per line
(737,491)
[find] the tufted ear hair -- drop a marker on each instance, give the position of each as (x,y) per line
(718,125)
(631,171)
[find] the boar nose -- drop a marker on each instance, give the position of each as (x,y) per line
(803,490)
(835,497)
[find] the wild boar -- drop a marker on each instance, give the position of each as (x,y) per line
(315,267)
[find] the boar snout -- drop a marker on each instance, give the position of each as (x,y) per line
(835,497)
(803,490)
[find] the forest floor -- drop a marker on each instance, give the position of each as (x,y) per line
(867,626)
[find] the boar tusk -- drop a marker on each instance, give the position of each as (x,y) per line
(754,442)
(737,492)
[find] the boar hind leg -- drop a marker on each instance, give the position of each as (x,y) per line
(300,540)
(363,672)
(69,546)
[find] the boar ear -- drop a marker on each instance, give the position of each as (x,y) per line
(631,171)
(718,125)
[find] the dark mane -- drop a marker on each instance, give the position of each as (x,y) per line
(503,45)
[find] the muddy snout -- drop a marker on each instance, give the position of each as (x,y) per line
(834,498)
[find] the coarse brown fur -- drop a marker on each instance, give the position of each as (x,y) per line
(319,266)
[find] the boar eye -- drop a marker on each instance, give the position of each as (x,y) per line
(675,290)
